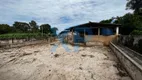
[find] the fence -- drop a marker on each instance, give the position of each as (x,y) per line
(9,43)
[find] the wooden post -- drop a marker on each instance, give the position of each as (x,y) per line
(98,31)
(117,30)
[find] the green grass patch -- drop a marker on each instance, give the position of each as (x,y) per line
(21,35)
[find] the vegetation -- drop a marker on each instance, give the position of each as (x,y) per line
(136,32)
(33,26)
(25,30)
(135,5)
(20,35)
(53,30)
(140,46)
(131,25)
(4,28)
(45,28)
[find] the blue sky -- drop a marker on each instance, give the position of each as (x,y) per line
(60,13)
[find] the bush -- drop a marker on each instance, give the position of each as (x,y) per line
(4,28)
(129,41)
(140,45)
(136,32)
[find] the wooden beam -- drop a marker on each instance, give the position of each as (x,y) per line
(98,31)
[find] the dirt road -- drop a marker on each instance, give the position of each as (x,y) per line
(37,62)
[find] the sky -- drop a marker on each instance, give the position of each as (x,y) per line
(60,13)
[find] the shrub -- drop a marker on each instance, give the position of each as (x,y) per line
(21,35)
(136,32)
(140,45)
(129,41)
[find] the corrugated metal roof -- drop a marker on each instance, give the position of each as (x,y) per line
(94,24)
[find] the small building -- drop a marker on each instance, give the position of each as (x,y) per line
(92,31)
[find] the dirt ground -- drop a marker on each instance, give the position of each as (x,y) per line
(38,62)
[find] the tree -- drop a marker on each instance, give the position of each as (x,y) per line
(135,5)
(53,30)
(129,22)
(33,26)
(106,21)
(4,28)
(45,28)
(21,26)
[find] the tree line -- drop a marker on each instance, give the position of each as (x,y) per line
(131,22)
(31,27)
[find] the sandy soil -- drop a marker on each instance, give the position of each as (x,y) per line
(37,62)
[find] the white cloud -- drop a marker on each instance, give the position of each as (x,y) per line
(51,11)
